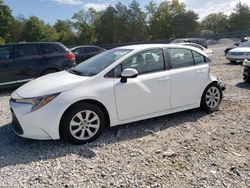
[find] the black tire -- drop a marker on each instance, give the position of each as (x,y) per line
(204,106)
(245,79)
(49,71)
(65,132)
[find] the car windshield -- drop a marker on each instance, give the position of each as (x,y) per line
(246,44)
(99,62)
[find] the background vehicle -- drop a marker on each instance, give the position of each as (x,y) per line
(237,44)
(246,72)
(238,54)
(83,53)
(118,86)
(200,41)
(207,51)
(22,62)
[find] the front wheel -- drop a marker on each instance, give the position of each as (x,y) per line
(83,123)
(211,98)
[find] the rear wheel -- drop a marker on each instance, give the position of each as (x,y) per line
(83,123)
(211,98)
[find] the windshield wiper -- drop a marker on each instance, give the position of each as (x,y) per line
(73,71)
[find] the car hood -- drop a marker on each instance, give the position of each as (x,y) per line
(241,49)
(49,84)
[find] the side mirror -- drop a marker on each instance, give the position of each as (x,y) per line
(128,73)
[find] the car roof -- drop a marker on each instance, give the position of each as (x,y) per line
(180,39)
(20,43)
(82,46)
(183,43)
(150,46)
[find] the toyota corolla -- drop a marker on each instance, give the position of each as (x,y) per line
(121,85)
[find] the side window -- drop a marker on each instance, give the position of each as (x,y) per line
(145,62)
(92,50)
(49,49)
(198,58)
(5,53)
(26,50)
(77,51)
(180,57)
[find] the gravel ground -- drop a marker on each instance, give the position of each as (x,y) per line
(187,149)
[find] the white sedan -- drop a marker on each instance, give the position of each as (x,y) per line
(118,86)
(238,54)
(207,51)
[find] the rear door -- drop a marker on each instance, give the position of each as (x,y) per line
(26,62)
(6,61)
(52,57)
(187,78)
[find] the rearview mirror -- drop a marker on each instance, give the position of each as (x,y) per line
(128,73)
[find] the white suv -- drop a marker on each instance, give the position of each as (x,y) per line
(118,86)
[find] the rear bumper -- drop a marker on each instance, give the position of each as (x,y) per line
(221,85)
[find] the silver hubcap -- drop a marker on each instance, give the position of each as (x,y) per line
(84,125)
(213,97)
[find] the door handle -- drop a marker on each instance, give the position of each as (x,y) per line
(164,78)
(200,71)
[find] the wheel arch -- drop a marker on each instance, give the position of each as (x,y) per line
(212,82)
(90,101)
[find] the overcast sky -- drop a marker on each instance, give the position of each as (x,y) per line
(51,10)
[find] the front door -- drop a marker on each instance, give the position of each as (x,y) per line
(148,93)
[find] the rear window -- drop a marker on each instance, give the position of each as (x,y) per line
(5,53)
(49,49)
(26,50)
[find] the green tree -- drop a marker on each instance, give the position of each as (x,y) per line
(106,26)
(121,27)
(17,29)
(170,19)
(216,22)
(82,22)
(65,34)
(34,30)
(240,18)
(137,22)
(6,20)
(185,24)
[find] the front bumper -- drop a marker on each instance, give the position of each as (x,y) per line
(42,124)
(236,57)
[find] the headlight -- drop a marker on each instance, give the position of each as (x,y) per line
(37,102)
(246,62)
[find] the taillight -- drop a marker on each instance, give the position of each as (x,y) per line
(70,56)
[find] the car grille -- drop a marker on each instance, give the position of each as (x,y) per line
(237,53)
(15,124)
